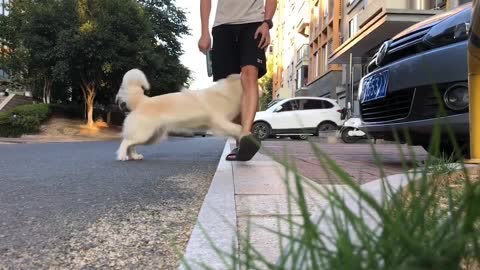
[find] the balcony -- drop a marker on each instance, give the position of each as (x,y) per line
(303,25)
(380,20)
(302,54)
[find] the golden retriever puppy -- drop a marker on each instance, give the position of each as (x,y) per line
(151,118)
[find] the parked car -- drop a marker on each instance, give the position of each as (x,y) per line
(400,91)
(298,117)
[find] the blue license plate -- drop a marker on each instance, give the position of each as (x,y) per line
(375,86)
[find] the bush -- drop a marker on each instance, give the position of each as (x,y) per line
(25,119)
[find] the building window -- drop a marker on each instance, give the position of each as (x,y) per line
(325,58)
(353,26)
(325,11)
(317,64)
(330,9)
(302,76)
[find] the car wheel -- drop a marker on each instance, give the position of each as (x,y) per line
(447,150)
(326,127)
(346,138)
(261,130)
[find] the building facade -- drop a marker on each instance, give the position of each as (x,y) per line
(324,37)
(290,48)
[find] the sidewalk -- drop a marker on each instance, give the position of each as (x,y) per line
(255,193)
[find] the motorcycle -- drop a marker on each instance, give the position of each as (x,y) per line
(350,131)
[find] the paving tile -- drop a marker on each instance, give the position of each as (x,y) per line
(263,240)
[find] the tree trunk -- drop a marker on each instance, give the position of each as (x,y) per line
(47,88)
(89,93)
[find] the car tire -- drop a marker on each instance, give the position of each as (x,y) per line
(346,138)
(448,150)
(326,127)
(261,130)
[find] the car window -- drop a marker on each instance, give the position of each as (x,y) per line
(289,106)
(315,104)
(327,104)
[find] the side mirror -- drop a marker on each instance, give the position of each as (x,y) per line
(278,109)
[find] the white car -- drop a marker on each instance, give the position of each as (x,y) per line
(298,117)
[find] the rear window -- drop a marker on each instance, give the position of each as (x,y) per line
(315,104)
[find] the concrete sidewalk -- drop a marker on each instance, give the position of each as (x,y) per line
(251,196)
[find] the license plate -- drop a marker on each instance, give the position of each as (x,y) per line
(375,86)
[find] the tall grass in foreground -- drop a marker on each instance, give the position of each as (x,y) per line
(433,222)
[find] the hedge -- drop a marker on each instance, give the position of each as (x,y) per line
(25,119)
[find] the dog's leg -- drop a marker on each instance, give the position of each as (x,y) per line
(224,127)
(122,152)
(132,153)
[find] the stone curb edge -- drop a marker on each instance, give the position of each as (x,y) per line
(217,221)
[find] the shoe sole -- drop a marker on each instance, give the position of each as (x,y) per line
(248,147)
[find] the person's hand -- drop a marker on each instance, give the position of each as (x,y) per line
(264,32)
(205,43)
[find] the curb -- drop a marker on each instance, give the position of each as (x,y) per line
(217,221)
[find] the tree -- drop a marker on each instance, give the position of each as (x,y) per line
(85,46)
(266,84)
(32,31)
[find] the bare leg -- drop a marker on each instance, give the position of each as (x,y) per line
(250,97)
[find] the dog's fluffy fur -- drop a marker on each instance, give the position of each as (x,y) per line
(151,118)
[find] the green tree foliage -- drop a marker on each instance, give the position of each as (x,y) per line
(266,84)
(82,48)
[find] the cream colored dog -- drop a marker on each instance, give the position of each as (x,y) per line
(151,118)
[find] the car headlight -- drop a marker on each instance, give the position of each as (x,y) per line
(360,89)
(453,29)
(456,97)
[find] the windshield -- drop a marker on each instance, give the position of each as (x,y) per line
(272,104)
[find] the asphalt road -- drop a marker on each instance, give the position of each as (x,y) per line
(71,205)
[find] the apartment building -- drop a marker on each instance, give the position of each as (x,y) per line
(277,47)
(290,48)
(323,32)
(366,24)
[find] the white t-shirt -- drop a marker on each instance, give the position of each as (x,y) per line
(239,11)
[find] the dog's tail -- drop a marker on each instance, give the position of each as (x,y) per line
(131,92)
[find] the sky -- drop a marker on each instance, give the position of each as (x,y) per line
(193,58)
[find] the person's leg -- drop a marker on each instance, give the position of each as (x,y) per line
(253,64)
(225,54)
(250,97)
(226,60)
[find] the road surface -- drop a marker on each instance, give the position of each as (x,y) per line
(71,205)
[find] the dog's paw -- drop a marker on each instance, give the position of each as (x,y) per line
(137,157)
(122,158)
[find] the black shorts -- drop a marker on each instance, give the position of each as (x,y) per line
(235,46)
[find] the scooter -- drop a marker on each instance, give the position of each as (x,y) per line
(350,131)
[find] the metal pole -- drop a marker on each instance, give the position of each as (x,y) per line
(352,104)
(474,83)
